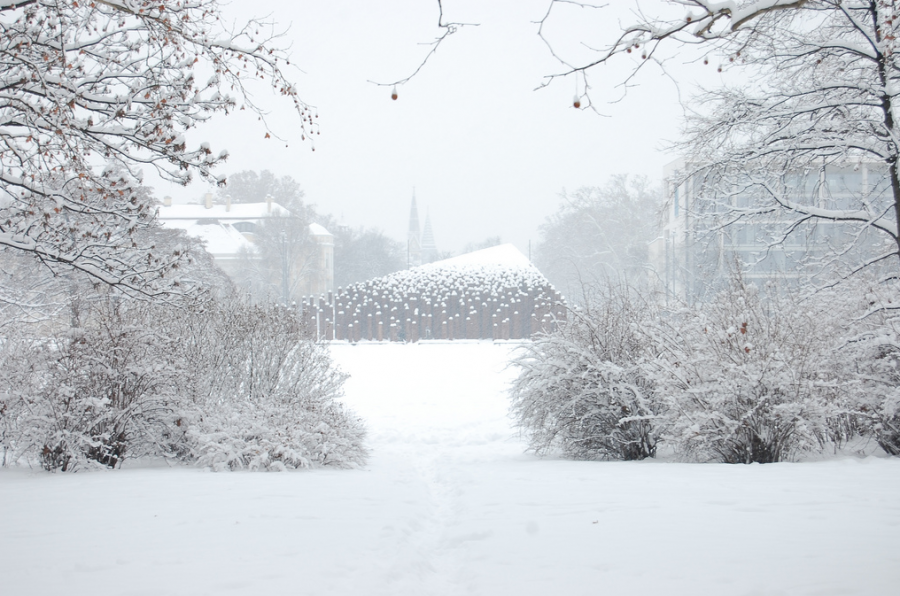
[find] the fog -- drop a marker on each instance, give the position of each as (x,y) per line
(484,151)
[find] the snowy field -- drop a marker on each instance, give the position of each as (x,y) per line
(449,504)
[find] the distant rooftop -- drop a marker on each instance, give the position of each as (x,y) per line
(215,226)
(505,255)
(238,211)
(317,230)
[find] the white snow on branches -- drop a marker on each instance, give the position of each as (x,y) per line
(93,91)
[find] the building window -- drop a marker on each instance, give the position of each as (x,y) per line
(676,201)
(245,227)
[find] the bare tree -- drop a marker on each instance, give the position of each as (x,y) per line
(94,90)
(599,235)
(283,256)
(363,254)
(248,186)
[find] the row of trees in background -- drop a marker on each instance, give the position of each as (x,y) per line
(753,375)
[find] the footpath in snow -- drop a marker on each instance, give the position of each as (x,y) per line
(451,505)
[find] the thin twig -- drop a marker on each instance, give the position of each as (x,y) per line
(449,29)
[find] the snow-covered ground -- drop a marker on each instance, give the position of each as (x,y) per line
(449,504)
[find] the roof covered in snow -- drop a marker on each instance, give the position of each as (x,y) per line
(317,230)
(493,293)
(214,226)
(237,211)
(221,239)
(504,255)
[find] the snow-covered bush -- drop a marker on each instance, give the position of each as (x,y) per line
(92,395)
(753,375)
(581,388)
(222,384)
(262,395)
(746,379)
(15,354)
(870,361)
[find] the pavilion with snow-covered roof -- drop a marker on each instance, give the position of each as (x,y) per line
(495,293)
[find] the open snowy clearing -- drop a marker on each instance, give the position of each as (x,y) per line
(449,504)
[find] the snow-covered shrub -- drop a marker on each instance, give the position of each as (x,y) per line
(581,388)
(92,395)
(222,384)
(746,379)
(870,362)
(886,423)
(262,394)
(16,356)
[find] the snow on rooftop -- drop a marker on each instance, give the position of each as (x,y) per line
(237,211)
(504,255)
(317,230)
(221,240)
(214,225)
(493,293)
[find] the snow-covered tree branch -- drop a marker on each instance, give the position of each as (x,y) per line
(92,91)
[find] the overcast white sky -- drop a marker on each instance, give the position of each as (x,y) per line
(487,154)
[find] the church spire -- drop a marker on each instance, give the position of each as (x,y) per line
(414,241)
(414,217)
(429,248)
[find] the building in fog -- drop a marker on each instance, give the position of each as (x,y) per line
(707,232)
(229,232)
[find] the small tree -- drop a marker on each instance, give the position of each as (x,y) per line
(282,257)
(363,254)
(581,389)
